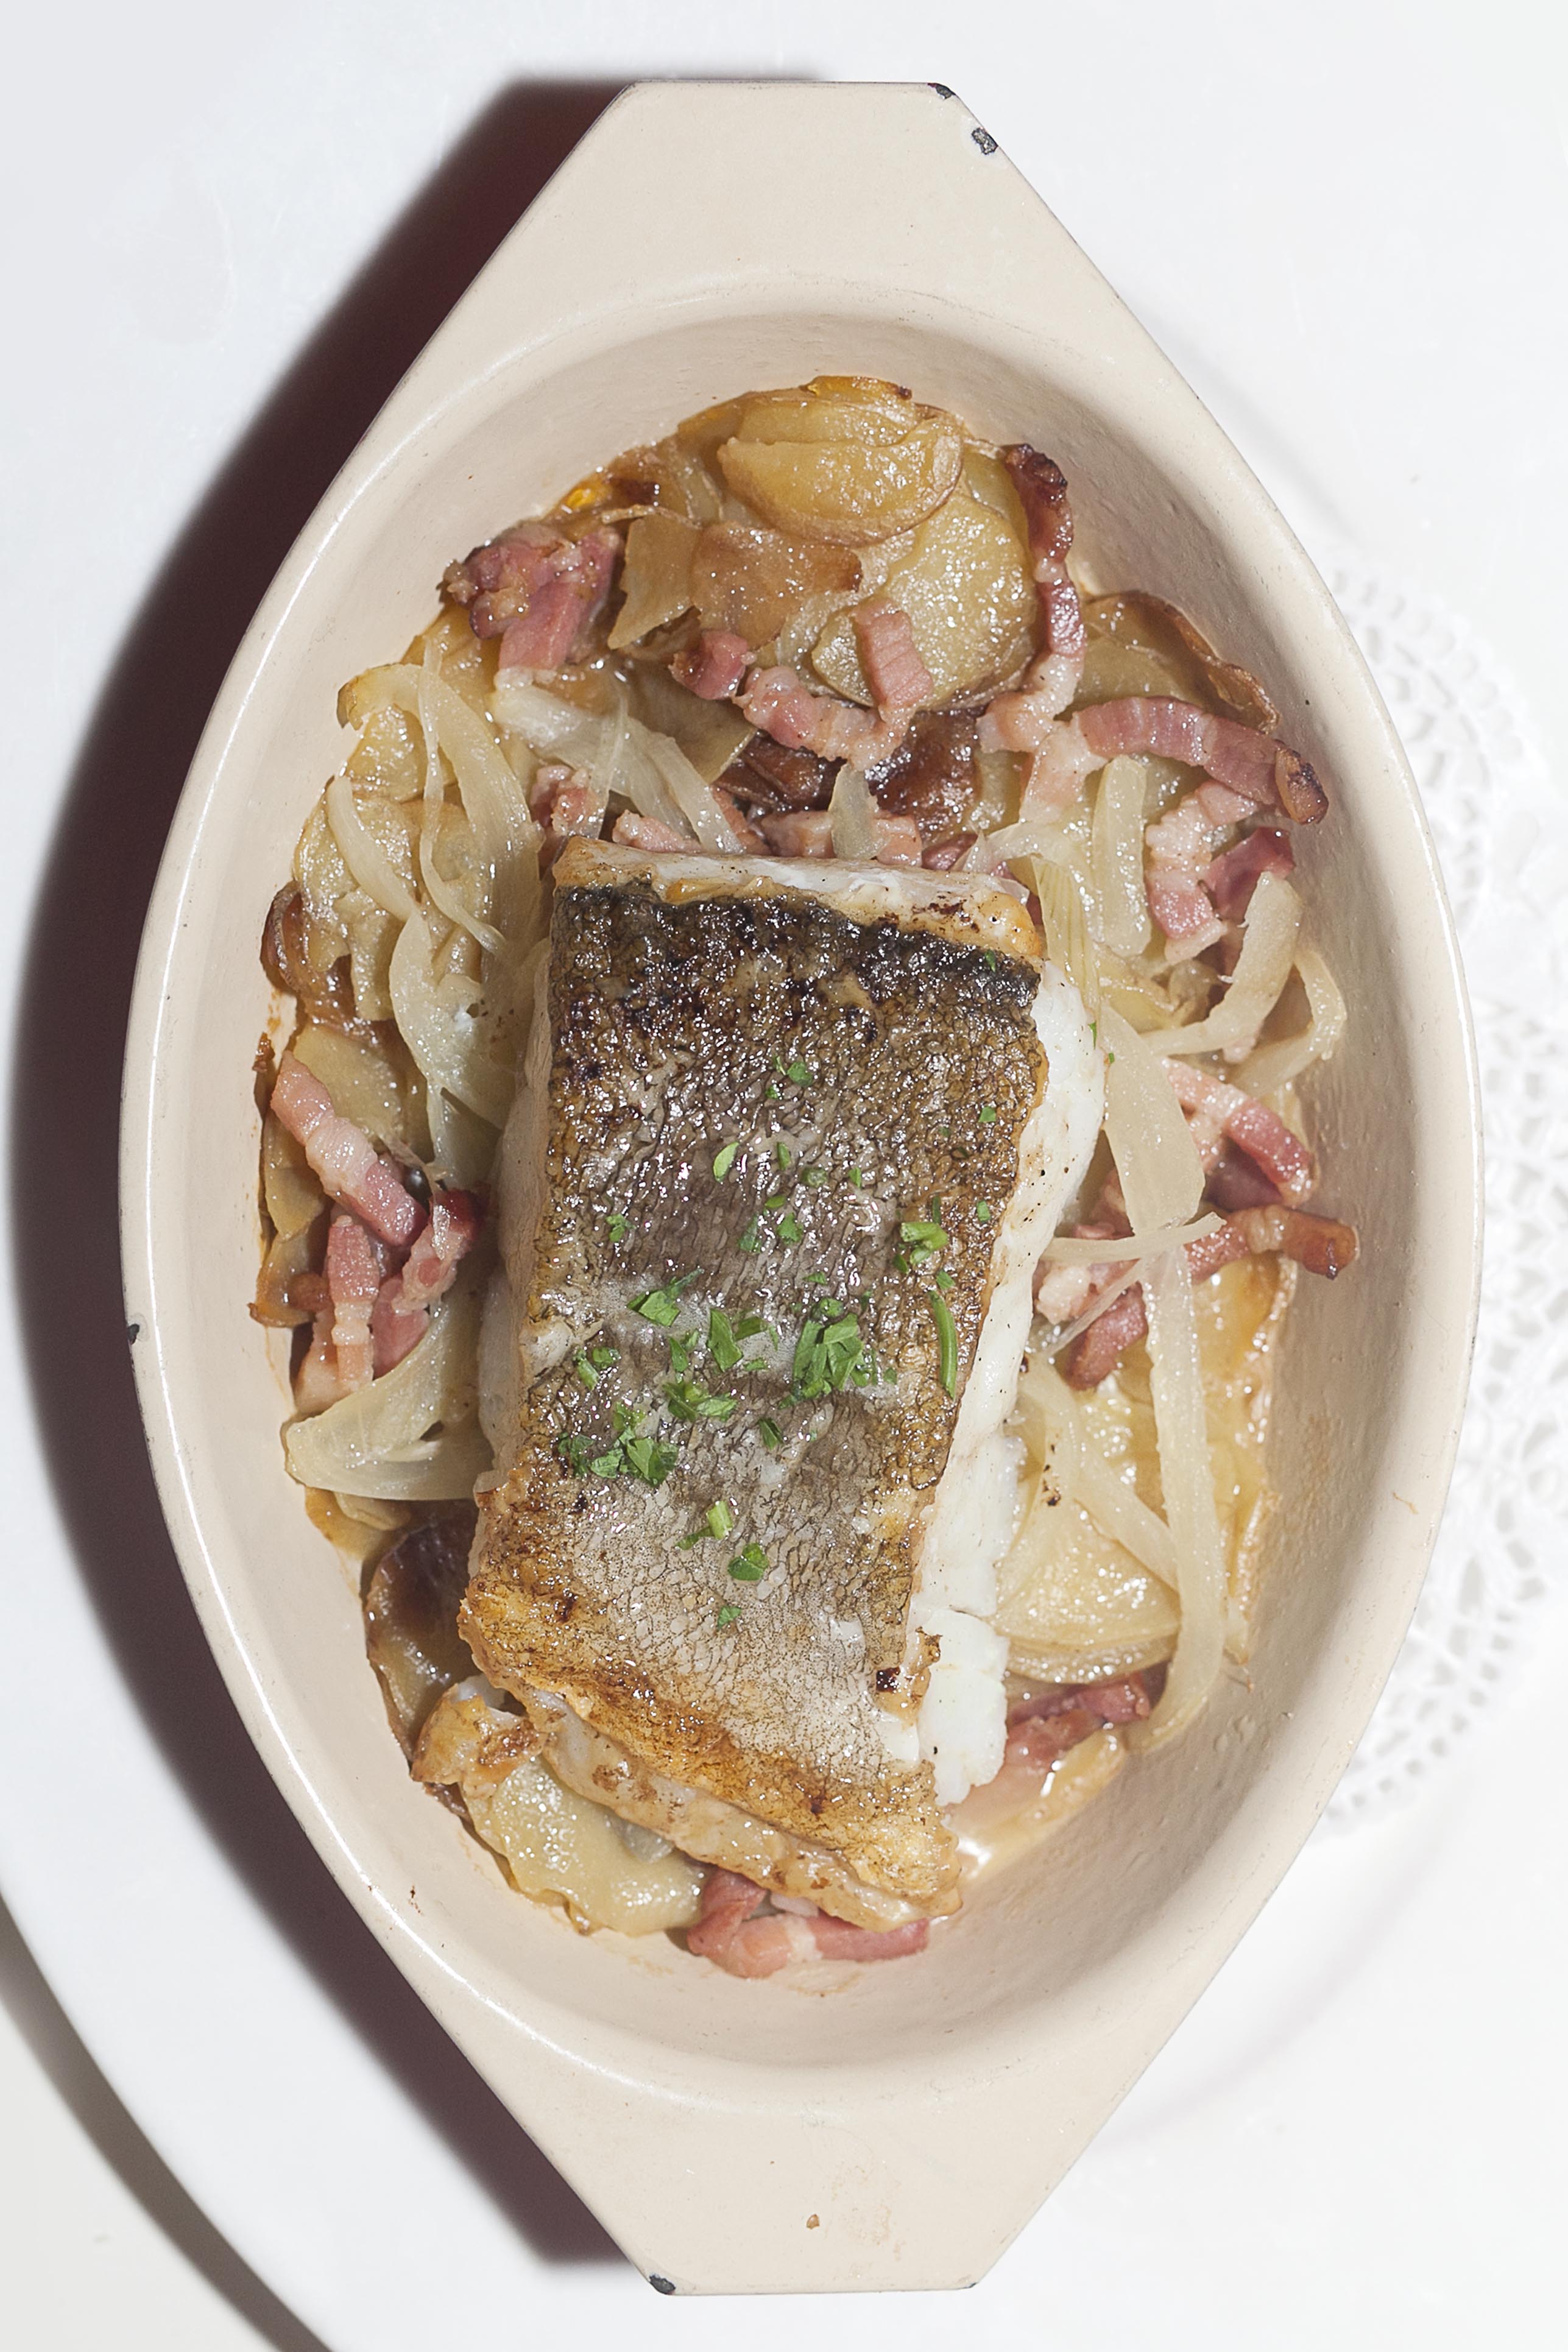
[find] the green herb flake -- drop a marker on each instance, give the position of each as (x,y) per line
(650,1462)
(814,1176)
(776,1201)
(663,1305)
(982,1213)
(718,1520)
(783,1153)
(990,960)
(943,1281)
(987,1114)
(723,1344)
(769,1433)
(607,1466)
(587,1373)
(773,1092)
(856,1178)
(689,1400)
(751,1241)
(789,1230)
(925,1237)
(799,1076)
(946,1340)
(724,1160)
(728,1615)
(618,1226)
(749,1567)
(603,1358)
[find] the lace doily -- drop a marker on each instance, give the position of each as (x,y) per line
(1502,840)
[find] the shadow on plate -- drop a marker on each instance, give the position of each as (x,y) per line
(82,955)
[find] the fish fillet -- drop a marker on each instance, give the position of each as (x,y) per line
(816,1098)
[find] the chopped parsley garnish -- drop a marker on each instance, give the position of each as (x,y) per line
(946,1340)
(856,1178)
(593,1361)
(990,960)
(829,1356)
(689,1400)
(783,1153)
(987,1114)
(618,1226)
(776,1201)
(728,1615)
(924,1236)
(650,1462)
(773,1091)
(769,1433)
(814,1176)
(982,1213)
(663,1305)
(943,1281)
(749,1567)
(718,1520)
(723,1344)
(645,1459)
(724,1160)
(789,1230)
(751,1241)
(799,1076)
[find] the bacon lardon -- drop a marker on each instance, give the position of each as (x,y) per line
(352,1170)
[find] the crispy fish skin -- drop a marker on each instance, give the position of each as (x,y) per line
(683,1007)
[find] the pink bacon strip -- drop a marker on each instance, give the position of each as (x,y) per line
(1264,772)
(715,665)
(402,1314)
(738,1935)
(352,1170)
(1261,1133)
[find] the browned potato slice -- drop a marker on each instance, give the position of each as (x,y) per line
(966,588)
(1112,671)
(845,491)
(655,577)
(751,581)
(411,1618)
(293,1197)
(1146,627)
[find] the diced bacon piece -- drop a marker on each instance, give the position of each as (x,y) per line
(566,801)
(943,855)
(840,1939)
(448,1236)
(1236,873)
(740,1937)
(396,1327)
(1126,1700)
(494,582)
(898,840)
(1253,765)
(1322,1244)
(1047,516)
(897,678)
(715,665)
(1220,806)
(1099,1350)
(647,833)
(350,1170)
(802,833)
(542,635)
(316,1384)
(1235,1181)
(1261,1133)
(356,1271)
(1178,845)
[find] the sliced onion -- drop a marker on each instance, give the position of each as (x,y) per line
(449,1045)
(1150,1142)
(852,814)
(692,797)
(1065,927)
(1118,853)
(1272,1067)
(1012,842)
(377,1441)
(436,888)
(1267,953)
(1056,1436)
(363,856)
(1186,1478)
(1067,1249)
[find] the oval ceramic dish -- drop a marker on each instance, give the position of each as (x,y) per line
(740,2136)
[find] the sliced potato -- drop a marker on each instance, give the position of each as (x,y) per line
(656,576)
(967,590)
(562,1848)
(855,409)
(848,492)
(1074,1605)
(363,1085)
(752,581)
(294,1199)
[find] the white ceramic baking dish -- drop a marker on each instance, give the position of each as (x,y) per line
(742,2137)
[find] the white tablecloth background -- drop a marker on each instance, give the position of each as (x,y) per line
(1346,224)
